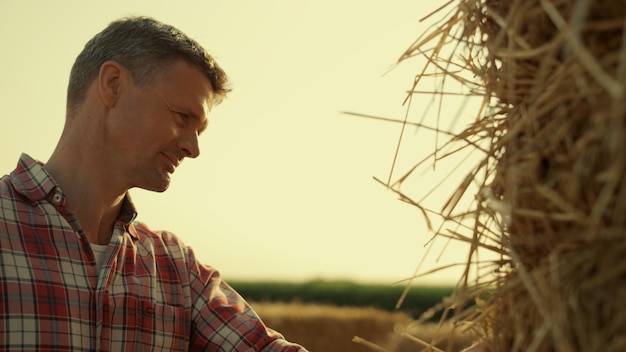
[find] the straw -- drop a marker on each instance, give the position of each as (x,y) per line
(548,198)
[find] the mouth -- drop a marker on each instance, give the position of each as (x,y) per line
(173,162)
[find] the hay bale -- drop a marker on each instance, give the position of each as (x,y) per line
(444,337)
(552,184)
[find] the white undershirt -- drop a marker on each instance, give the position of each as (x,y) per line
(99,250)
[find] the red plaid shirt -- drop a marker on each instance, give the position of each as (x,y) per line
(150,294)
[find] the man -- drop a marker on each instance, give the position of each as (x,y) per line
(77,273)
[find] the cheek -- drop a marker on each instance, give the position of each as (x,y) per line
(163,134)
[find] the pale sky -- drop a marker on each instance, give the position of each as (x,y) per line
(283,188)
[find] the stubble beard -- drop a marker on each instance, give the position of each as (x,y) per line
(156,180)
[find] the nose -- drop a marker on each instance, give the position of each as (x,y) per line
(189,145)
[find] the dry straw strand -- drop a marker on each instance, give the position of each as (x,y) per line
(551,189)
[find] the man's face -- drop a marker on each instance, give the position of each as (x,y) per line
(157,124)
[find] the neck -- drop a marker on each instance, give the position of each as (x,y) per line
(90,190)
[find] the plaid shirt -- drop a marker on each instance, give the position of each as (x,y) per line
(150,294)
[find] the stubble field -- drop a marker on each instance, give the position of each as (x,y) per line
(328,328)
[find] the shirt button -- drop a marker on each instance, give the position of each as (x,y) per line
(57,198)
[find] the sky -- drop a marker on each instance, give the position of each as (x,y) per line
(284,187)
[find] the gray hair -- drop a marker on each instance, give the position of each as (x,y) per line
(142,45)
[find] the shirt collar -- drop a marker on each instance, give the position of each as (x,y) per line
(127,216)
(31,180)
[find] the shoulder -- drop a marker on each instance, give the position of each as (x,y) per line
(153,238)
(14,205)
(161,244)
(6,190)
(8,204)
(144,231)
(166,249)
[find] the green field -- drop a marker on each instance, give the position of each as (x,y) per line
(345,293)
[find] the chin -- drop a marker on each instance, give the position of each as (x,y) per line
(160,190)
(155,180)
(160,186)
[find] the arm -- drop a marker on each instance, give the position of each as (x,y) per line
(223,321)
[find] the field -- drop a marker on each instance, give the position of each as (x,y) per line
(346,294)
(330,328)
(327,315)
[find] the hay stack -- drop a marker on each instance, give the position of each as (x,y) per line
(553,185)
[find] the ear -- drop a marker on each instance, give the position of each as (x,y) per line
(110,81)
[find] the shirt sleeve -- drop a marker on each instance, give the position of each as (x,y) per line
(223,321)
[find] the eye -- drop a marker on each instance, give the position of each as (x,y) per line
(180,116)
